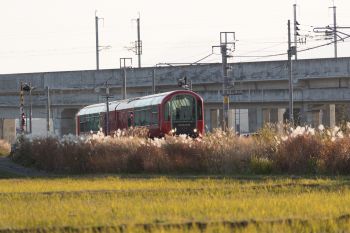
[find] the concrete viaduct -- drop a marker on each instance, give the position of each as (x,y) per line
(321,91)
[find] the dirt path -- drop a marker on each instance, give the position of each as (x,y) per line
(9,167)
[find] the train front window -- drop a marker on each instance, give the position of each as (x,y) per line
(183,108)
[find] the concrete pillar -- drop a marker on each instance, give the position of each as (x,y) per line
(67,121)
(259,117)
(214,118)
(306,115)
(266,116)
(255,118)
(207,122)
(1,128)
(232,119)
(243,120)
(9,130)
(280,114)
(276,115)
(329,115)
(317,117)
(57,119)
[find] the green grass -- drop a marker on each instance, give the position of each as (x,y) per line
(166,204)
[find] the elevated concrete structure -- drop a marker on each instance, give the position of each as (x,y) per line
(321,86)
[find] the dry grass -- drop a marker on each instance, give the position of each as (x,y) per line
(300,150)
(125,154)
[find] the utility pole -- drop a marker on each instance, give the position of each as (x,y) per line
(107,109)
(291,51)
(30,108)
(226,103)
(226,38)
(296,34)
(21,108)
(97,45)
(122,63)
(48,110)
(28,88)
(138,43)
(335,31)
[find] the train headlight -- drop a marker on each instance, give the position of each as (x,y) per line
(173,130)
(195,130)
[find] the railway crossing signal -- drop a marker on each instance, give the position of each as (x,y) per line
(182,82)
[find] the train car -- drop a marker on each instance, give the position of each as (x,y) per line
(175,112)
(90,119)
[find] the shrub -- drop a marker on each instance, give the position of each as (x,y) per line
(335,157)
(261,165)
(298,155)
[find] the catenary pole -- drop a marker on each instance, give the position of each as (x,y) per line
(291,117)
(335,31)
(107,109)
(139,45)
(97,44)
(295,31)
(30,108)
(224,86)
(48,110)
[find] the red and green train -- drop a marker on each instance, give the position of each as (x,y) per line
(174,112)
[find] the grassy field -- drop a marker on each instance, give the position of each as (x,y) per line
(175,204)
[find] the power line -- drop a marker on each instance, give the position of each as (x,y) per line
(303,50)
(252,56)
(262,49)
(203,58)
(319,46)
(262,56)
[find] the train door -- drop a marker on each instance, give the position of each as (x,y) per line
(167,118)
(117,120)
(130,119)
(102,122)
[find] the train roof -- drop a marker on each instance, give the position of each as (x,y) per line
(138,102)
(91,109)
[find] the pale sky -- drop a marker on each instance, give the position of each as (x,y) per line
(59,35)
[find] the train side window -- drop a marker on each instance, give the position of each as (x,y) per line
(89,122)
(147,116)
(167,111)
(137,118)
(143,117)
(154,115)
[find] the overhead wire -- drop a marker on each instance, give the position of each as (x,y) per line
(302,50)
(203,58)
